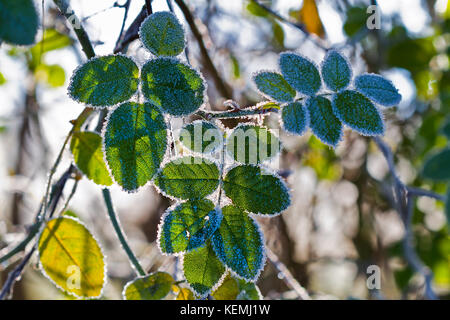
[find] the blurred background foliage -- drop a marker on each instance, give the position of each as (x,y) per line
(342,218)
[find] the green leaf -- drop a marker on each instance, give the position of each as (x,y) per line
(379,89)
(239,243)
(18,21)
(135,139)
(444,130)
(437,167)
(162,34)
(236,289)
(52,40)
(228,289)
(358,112)
(336,71)
(2,79)
(273,86)
(188,178)
(323,122)
(201,136)
(252,144)
(447,206)
(54,75)
(254,190)
(295,118)
(188,226)
(175,87)
(105,81)
(86,148)
(249,291)
(154,286)
(202,269)
(300,73)
(356,20)
(71,257)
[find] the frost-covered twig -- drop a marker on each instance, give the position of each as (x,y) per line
(287,275)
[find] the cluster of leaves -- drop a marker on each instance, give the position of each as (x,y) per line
(298,86)
(211,225)
(222,247)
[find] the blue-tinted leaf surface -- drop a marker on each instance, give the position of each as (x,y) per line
(437,167)
(358,112)
(300,73)
(188,226)
(295,118)
(238,243)
(18,21)
(324,124)
(336,71)
(379,89)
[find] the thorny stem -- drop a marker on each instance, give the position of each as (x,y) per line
(115,222)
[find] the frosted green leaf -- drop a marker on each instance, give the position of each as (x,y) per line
(273,86)
(236,289)
(105,81)
(87,153)
(252,144)
(135,141)
(228,289)
(256,191)
(295,118)
(201,136)
(300,73)
(188,178)
(18,21)
(238,243)
(379,89)
(71,257)
(188,226)
(437,166)
(336,71)
(323,122)
(249,291)
(358,112)
(202,269)
(162,34)
(175,87)
(154,286)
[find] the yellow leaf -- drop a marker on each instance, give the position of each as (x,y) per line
(71,257)
(309,16)
(154,286)
(185,294)
(228,290)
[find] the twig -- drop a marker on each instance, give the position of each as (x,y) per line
(115,222)
(14,275)
(132,32)
(221,86)
(126,6)
(287,275)
(404,199)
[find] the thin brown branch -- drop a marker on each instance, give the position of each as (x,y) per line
(221,86)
